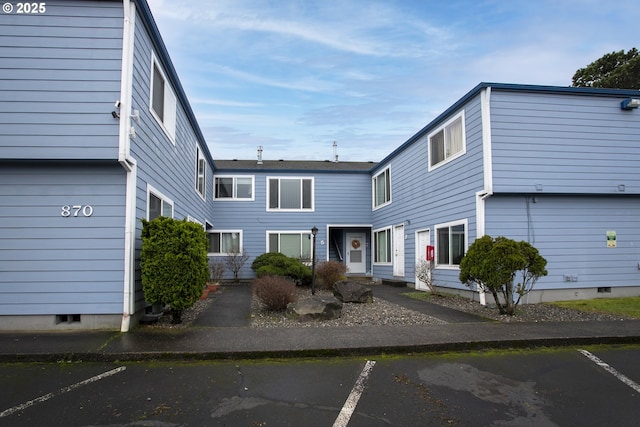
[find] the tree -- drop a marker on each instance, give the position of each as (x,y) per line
(174,263)
(614,70)
(493,264)
(424,272)
(235,260)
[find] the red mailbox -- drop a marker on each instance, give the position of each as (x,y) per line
(429,253)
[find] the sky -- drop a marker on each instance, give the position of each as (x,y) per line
(293,76)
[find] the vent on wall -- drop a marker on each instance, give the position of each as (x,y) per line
(67,318)
(605,290)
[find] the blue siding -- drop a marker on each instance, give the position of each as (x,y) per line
(340,199)
(56,265)
(422,198)
(57,94)
(565,143)
(570,232)
(170,168)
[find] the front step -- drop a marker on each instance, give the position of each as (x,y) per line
(396,283)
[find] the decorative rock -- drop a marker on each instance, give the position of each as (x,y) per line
(315,308)
(350,291)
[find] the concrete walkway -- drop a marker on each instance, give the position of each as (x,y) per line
(223,332)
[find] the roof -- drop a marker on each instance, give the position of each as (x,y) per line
(292,166)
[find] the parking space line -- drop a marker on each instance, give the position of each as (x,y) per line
(63,390)
(611,370)
(351,402)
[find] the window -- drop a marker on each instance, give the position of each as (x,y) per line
(448,142)
(451,243)
(382,243)
(382,189)
(234,187)
(201,172)
(224,242)
(296,244)
(162,100)
(290,194)
(158,204)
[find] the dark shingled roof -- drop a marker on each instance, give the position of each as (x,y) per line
(293,165)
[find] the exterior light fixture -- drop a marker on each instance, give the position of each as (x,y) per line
(630,103)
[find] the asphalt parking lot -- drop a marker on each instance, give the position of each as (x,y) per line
(592,386)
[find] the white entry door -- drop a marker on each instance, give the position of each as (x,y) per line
(423,239)
(398,250)
(356,255)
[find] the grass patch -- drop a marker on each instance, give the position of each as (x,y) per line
(627,306)
(428,296)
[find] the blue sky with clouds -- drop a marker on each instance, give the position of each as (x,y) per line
(295,75)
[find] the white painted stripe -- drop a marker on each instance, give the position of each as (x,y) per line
(354,396)
(611,370)
(59,392)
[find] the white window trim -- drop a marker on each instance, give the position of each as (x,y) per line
(234,198)
(301,178)
(279,232)
(240,238)
(461,115)
(464,222)
(199,157)
(170,102)
(375,247)
(193,219)
(373,190)
(161,196)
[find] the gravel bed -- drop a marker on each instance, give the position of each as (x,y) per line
(379,312)
(382,312)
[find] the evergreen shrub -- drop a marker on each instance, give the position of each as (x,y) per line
(277,264)
(174,263)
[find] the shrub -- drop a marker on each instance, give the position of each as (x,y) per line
(216,271)
(173,263)
(493,264)
(277,264)
(275,292)
(330,272)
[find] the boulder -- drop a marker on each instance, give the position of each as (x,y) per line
(315,308)
(350,291)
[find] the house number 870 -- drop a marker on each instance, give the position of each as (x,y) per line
(76,210)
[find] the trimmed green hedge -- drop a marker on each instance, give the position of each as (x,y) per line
(277,264)
(174,263)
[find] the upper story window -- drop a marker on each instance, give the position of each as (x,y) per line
(381,187)
(162,100)
(451,243)
(447,142)
(201,173)
(158,204)
(290,194)
(233,187)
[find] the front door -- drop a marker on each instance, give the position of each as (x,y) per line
(423,239)
(356,255)
(398,250)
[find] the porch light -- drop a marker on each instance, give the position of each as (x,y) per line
(630,103)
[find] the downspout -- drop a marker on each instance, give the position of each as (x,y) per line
(128,163)
(487,168)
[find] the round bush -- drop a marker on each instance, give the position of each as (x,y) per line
(275,292)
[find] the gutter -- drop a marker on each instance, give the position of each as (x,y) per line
(128,163)
(487,168)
